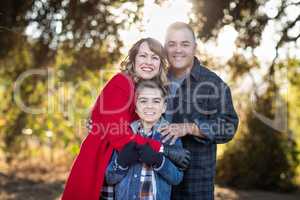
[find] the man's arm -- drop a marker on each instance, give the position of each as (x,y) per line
(221,126)
(218,127)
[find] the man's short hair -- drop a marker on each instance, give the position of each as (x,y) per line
(180,25)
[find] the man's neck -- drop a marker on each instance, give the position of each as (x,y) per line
(178,73)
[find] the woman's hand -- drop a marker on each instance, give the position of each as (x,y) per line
(89,124)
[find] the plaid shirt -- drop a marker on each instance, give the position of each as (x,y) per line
(202,98)
(107,192)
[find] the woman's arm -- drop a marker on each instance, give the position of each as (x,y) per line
(114,111)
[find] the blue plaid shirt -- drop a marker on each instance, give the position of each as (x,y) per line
(202,98)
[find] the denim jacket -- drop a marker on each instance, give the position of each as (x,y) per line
(127,182)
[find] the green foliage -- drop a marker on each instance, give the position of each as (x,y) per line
(240,66)
(62,100)
(69,43)
(260,156)
(249,18)
(77,24)
(293,97)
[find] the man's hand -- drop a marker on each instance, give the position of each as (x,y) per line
(174,131)
(179,156)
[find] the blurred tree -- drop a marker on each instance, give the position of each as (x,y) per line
(262,156)
(78,24)
(31,33)
(249,18)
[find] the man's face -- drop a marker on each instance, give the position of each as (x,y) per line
(150,105)
(180,47)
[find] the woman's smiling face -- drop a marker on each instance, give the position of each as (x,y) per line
(147,63)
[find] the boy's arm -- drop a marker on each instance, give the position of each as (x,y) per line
(114,172)
(168,171)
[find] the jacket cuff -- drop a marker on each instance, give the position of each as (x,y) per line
(119,167)
(161,165)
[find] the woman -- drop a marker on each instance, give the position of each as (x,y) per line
(112,114)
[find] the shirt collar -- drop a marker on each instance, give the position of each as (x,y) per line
(136,125)
(195,71)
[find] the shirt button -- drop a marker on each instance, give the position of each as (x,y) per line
(135,175)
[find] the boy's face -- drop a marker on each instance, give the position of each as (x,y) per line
(150,105)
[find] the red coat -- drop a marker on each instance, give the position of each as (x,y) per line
(112,114)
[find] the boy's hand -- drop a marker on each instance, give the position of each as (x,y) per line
(149,156)
(128,155)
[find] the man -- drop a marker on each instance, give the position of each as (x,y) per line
(200,110)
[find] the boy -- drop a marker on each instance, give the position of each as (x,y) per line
(137,172)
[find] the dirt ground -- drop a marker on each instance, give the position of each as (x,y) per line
(44,183)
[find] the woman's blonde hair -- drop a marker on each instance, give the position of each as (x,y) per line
(155,46)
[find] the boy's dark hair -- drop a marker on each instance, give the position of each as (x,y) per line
(153,84)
